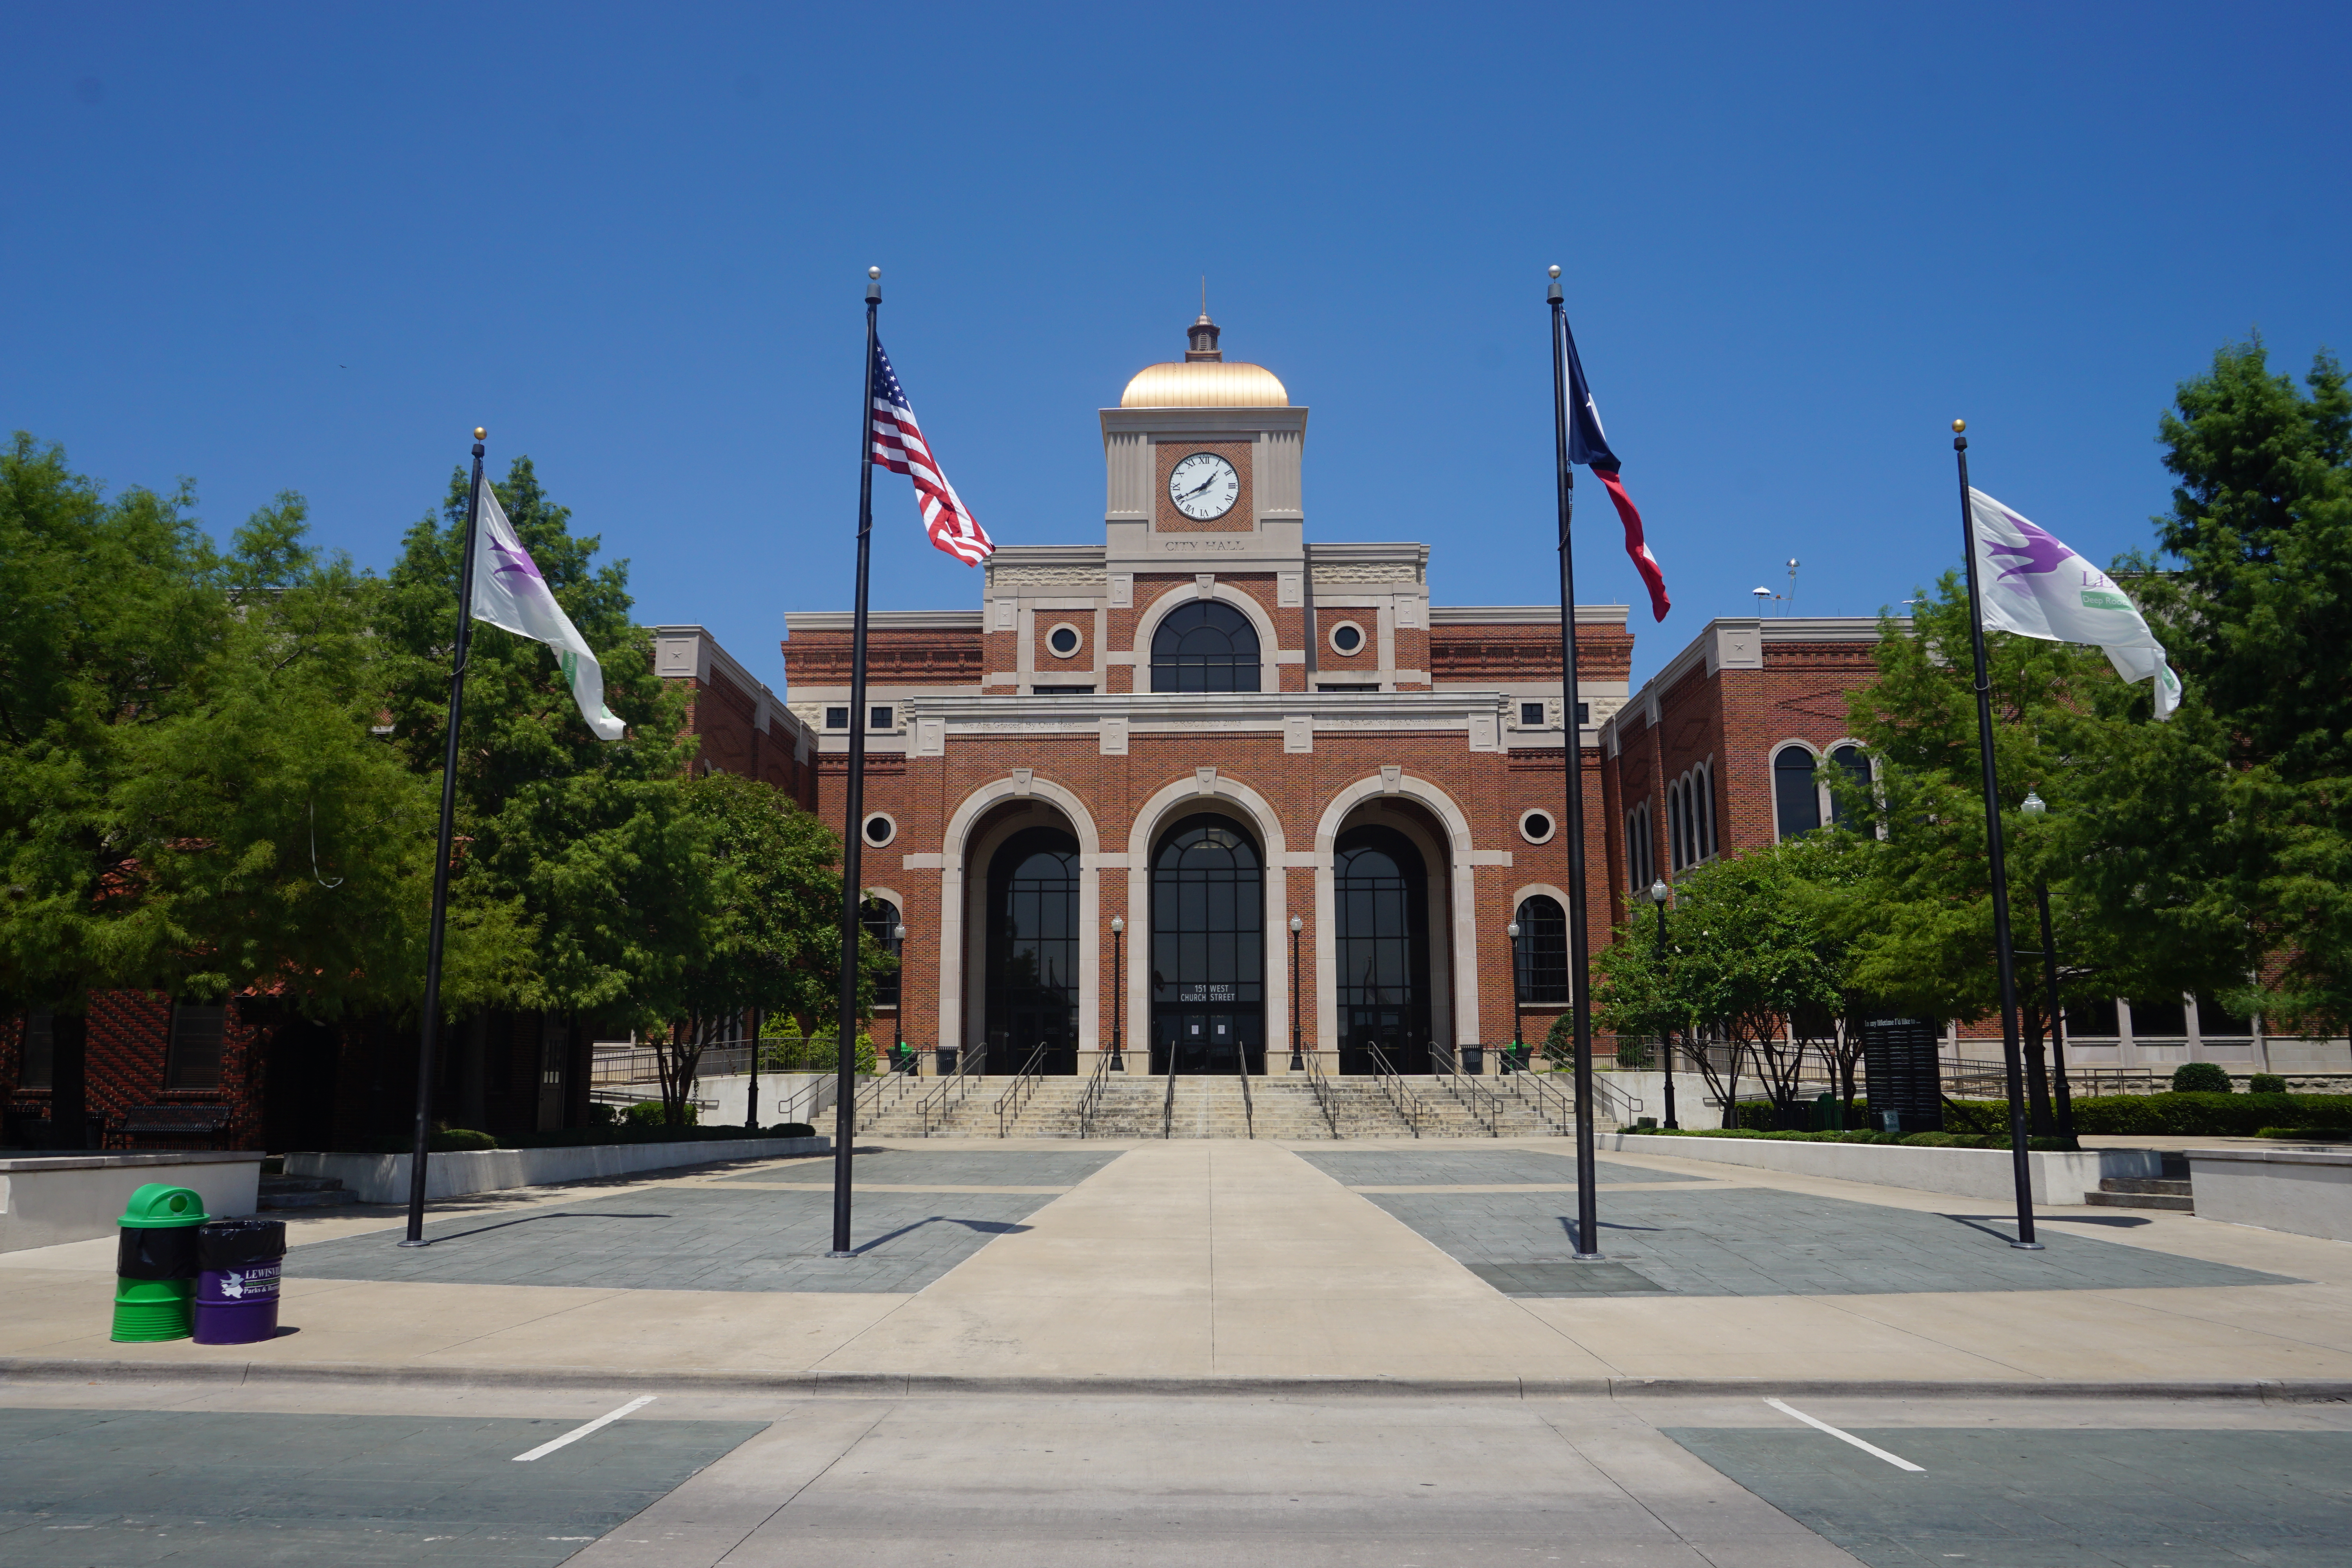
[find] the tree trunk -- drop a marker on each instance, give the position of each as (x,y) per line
(2040,1120)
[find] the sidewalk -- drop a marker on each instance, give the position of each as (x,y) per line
(1207,1262)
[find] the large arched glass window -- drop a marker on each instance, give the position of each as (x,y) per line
(880,919)
(1543,952)
(1206,645)
(1796,799)
(1702,786)
(1208,949)
(1381,891)
(1678,842)
(1032,951)
(1856,767)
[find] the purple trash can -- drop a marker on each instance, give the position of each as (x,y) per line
(238,1264)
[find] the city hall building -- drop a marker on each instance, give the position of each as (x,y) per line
(1170,784)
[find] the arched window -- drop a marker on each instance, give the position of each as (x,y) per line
(1543,952)
(1795,798)
(1678,855)
(1856,767)
(1206,645)
(1703,808)
(1208,949)
(1032,951)
(1380,895)
(880,919)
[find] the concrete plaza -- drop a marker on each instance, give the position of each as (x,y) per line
(1153,1353)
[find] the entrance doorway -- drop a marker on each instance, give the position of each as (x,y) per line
(1032,953)
(1380,893)
(1208,949)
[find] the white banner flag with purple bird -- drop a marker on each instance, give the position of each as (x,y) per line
(508,591)
(2036,587)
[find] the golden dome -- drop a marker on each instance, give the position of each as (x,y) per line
(1204,380)
(1211,384)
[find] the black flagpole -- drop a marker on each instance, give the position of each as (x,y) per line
(428,1036)
(2021,1171)
(853,835)
(1588,1218)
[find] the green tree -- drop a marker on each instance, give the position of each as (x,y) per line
(190,796)
(2065,728)
(582,852)
(775,948)
(2260,535)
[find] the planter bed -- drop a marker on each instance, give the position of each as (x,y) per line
(384,1178)
(52,1198)
(1984,1173)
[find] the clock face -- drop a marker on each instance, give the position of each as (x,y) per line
(1205,485)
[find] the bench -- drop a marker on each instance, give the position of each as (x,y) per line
(173,1122)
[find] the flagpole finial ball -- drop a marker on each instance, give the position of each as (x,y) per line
(1555,271)
(1958,426)
(482,433)
(874,272)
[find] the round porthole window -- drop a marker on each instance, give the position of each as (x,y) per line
(1065,640)
(1346,638)
(880,829)
(1536,826)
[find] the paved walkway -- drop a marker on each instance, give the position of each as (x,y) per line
(1241,1260)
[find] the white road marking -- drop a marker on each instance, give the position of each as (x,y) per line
(604,1420)
(1898,1460)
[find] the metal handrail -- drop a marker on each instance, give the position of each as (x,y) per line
(1320,1087)
(1013,1100)
(1554,1109)
(1249,1112)
(940,1102)
(1168,1104)
(1392,1084)
(1091,1101)
(1628,1110)
(1474,1097)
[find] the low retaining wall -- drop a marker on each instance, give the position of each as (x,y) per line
(2307,1191)
(384,1178)
(78,1197)
(2057,1178)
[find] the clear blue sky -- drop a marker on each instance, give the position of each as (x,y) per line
(308,247)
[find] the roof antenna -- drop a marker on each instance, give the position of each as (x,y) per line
(1204,296)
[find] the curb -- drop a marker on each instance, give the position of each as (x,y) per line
(914,1385)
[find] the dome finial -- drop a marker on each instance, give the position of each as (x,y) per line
(1203,334)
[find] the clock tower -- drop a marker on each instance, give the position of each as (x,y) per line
(1203,456)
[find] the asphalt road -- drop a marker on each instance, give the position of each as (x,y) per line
(201,1474)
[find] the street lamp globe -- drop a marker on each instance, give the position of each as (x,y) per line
(1296,925)
(1117,923)
(1658,891)
(2033,804)
(1512,930)
(898,933)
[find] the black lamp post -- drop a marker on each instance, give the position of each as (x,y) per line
(1298,1064)
(1118,992)
(1658,891)
(899,1012)
(2033,805)
(1518,1034)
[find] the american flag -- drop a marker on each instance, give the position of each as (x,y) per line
(899,446)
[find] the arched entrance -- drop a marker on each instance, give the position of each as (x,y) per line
(1380,895)
(1031,964)
(1208,949)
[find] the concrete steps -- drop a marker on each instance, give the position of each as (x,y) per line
(2169,1191)
(304,1193)
(1133,1105)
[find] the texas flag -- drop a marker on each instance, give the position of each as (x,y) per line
(1589,445)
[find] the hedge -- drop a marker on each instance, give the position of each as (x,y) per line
(2191,1115)
(1914,1139)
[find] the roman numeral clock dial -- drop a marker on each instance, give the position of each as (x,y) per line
(1203,486)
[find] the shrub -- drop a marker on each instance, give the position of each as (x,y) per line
(1632,1052)
(792,1129)
(2307,1134)
(460,1140)
(650,1113)
(2200,1078)
(600,1114)
(1559,1041)
(2266,1083)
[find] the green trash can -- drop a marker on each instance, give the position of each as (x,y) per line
(155,1264)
